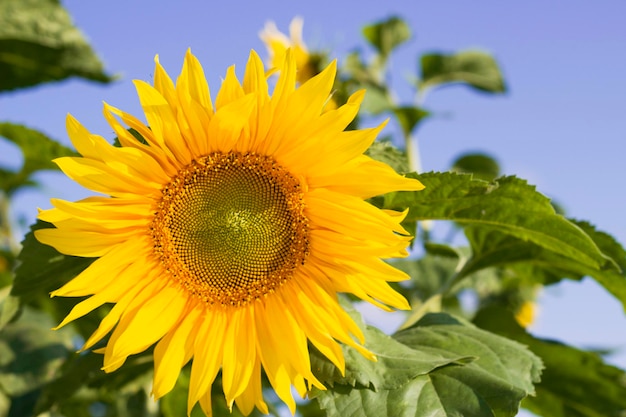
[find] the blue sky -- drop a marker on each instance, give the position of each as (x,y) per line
(561,126)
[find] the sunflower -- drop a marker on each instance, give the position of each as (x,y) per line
(278,43)
(226,232)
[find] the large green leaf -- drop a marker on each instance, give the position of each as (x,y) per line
(396,364)
(574,383)
(614,281)
(38,151)
(508,205)
(386,35)
(39,43)
(476,69)
(500,375)
(42,268)
(536,265)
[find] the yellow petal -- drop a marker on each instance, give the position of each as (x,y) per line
(104,272)
(173,352)
(365,178)
(230,91)
(162,121)
(192,82)
(239,353)
(143,326)
(228,122)
(208,354)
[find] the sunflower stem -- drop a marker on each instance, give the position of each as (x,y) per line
(413,153)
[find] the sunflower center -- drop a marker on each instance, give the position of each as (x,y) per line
(231,227)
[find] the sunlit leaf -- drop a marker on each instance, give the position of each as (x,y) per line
(536,265)
(574,383)
(508,205)
(396,364)
(39,43)
(500,376)
(476,69)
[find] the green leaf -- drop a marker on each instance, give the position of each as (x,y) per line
(614,281)
(409,117)
(10,308)
(396,364)
(476,69)
(493,384)
(384,151)
(388,34)
(508,205)
(42,268)
(574,383)
(430,274)
(481,166)
(81,382)
(38,151)
(31,353)
(536,265)
(39,43)
(367,76)
(377,100)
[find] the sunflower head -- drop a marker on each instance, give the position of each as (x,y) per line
(225,234)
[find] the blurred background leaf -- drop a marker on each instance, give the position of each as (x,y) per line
(476,69)
(387,35)
(38,151)
(39,44)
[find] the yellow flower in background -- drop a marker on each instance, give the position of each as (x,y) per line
(277,44)
(225,235)
(525,316)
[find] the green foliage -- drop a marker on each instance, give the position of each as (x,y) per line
(535,264)
(409,117)
(384,151)
(38,150)
(81,385)
(39,44)
(475,69)
(575,383)
(30,355)
(471,372)
(447,359)
(387,35)
(42,269)
(508,205)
